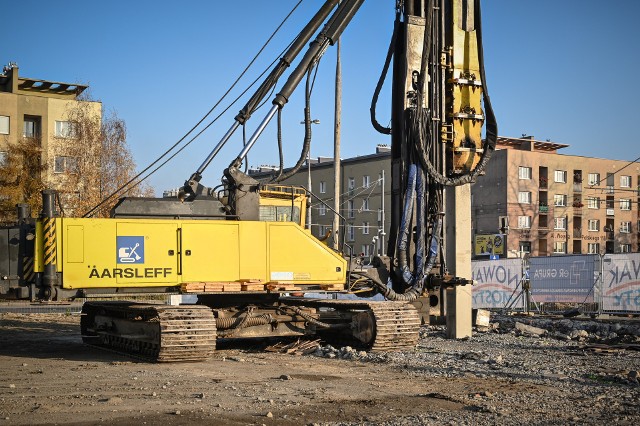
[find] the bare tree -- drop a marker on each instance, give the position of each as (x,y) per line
(95,160)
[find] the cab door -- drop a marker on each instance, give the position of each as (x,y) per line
(210,251)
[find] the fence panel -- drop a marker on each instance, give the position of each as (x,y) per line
(568,279)
(621,283)
(496,283)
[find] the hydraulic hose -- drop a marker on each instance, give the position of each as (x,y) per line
(415,189)
(383,75)
(416,290)
(403,234)
(307,136)
(246,321)
(231,326)
(313,320)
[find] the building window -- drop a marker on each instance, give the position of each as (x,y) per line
(524,222)
(625,181)
(559,247)
(524,197)
(524,172)
(64,164)
(323,187)
(65,129)
(350,210)
(560,176)
(625,204)
(560,200)
(625,248)
(525,246)
(31,128)
(366,181)
(365,204)
(366,250)
(593,202)
(352,184)
(593,225)
(593,248)
(4,125)
(610,179)
(560,223)
(322,210)
(351,233)
(625,227)
(594,179)
(365,228)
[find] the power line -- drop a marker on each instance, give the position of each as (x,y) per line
(617,171)
(132,182)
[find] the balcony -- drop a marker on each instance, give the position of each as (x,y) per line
(577,187)
(577,208)
(610,212)
(577,233)
(543,208)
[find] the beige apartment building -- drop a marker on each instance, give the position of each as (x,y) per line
(548,203)
(365,194)
(38,109)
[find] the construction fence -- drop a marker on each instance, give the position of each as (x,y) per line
(594,283)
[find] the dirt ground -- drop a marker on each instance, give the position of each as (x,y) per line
(47,376)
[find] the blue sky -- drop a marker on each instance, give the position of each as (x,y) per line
(558,70)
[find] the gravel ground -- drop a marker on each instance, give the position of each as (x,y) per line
(523,370)
(572,376)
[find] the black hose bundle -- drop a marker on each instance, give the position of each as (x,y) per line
(421,140)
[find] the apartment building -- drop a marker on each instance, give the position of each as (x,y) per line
(365,188)
(545,203)
(531,199)
(38,110)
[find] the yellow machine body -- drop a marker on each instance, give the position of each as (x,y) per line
(122,252)
(93,253)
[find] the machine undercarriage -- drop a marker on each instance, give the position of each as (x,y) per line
(161,333)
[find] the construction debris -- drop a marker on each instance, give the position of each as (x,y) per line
(604,349)
(299,347)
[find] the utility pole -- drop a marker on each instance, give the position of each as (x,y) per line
(336,150)
(309,188)
(383,233)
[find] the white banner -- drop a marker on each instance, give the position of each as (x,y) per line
(621,282)
(495,283)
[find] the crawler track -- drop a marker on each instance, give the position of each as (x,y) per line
(156,333)
(386,326)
